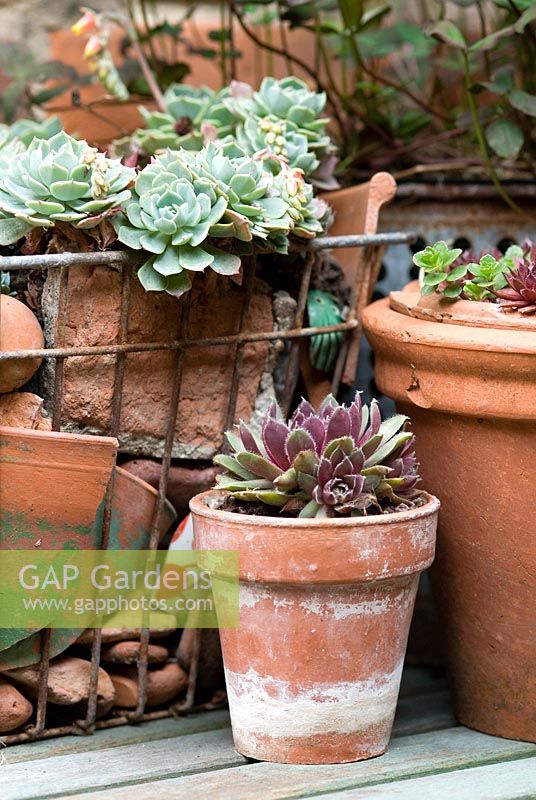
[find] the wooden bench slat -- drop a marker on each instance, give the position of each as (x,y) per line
(117,766)
(117,737)
(409,756)
(506,781)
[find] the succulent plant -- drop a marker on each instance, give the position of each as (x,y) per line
(284,118)
(255,206)
(61,179)
(341,460)
(454,274)
(184,200)
(171,213)
(26,130)
(192,116)
(520,292)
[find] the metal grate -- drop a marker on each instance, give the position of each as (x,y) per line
(126,262)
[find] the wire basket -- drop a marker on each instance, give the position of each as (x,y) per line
(58,355)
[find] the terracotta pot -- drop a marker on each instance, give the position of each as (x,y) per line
(313,669)
(19,330)
(47,466)
(466,374)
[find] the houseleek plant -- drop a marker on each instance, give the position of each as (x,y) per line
(340,460)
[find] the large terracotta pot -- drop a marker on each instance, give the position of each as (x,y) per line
(313,670)
(466,375)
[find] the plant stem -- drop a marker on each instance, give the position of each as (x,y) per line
(152,51)
(145,68)
(223,54)
(294,59)
(481,139)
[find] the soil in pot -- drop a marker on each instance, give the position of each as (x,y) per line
(313,669)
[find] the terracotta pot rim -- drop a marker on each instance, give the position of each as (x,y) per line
(410,304)
(144,485)
(455,336)
(198,506)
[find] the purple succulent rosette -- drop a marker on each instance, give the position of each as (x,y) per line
(339,460)
(520,294)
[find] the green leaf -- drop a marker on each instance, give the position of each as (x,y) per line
(287,481)
(351,12)
(427,290)
(130,236)
(489,42)
(346,443)
(310,510)
(150,279)
(224,263)
(221,35)
(178,284)
(68,190)
(306,462)
(526,17)
(446,32)
(434,278)
(12,229)
(457,273)
(194,258)
(505,138)
(452,291)
(233,465)
(259,466)
(270,498)
(523,101)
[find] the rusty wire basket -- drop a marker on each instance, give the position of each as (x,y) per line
(374,247)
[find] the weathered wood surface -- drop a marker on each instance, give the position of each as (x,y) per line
(193,759)
(408,756)
(116,737)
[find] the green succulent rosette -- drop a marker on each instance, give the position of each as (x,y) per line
(171,214)
(284,117)
(192,114)
(59,180)
(256,208)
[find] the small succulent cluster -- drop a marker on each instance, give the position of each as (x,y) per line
(59,180)
(338,461)
(508,280)
(283,118)
(192,116)
(183,202)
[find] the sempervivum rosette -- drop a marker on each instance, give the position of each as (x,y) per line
(59,180)
(520,294)
(337,461)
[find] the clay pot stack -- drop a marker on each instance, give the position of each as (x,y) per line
(69,677)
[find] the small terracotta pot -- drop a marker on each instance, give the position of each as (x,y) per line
(465,373)
(19,330)
(313,670)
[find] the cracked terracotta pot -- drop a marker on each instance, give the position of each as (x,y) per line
(313,669)
(466,375)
